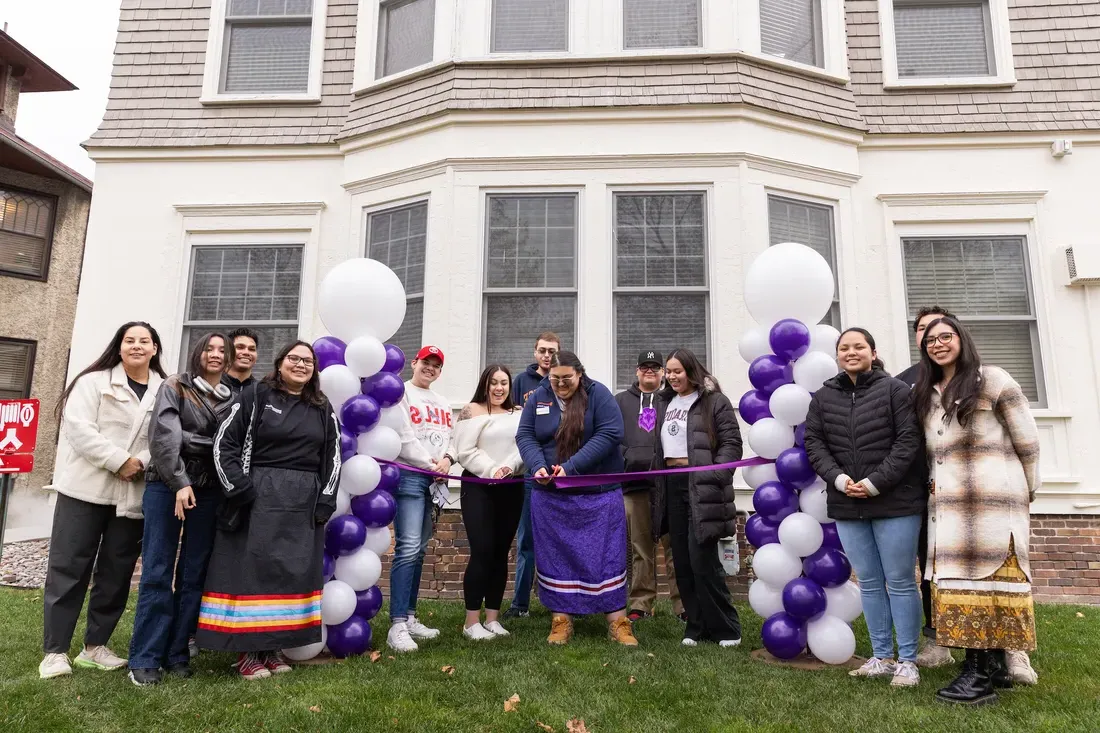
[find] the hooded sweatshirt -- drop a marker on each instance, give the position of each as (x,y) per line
(639,419)
(525,384)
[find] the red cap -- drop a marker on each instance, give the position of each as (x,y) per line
(427,351)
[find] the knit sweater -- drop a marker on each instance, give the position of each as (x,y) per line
(485,443)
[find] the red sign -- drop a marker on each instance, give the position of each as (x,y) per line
(16,463)
(18,435)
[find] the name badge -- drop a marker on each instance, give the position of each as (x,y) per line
(542,410)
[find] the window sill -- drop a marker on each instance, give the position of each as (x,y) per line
(970,82)
(235,99)
(24,275)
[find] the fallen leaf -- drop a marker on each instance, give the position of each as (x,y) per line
(391,658)
(395,721)
(544,726)
(576,726)
(651,656)
(430,614)
(449,669)
(78,697)
(606,663)
(375,656)
(1080,615)
(632,680)
(248,704)
(314,708)
(511,704)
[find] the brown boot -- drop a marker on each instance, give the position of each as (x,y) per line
(622,631)
(561,629)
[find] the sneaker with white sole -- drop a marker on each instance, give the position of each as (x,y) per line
(727,643)
(418,630)
(875,667)
(99,657)
(494,628)
(906,674)
(53,665)
(252,667)
(399,638)
(933,655)
(477,632)
(688,641)
(192,648)
(1020,669)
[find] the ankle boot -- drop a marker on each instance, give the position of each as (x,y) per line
(998,670)
(973,686)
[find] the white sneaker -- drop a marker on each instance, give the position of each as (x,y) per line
(687,641)
(494,628)
(875,667)
(727,643)
(1020,669)
(477,632)
(399,638)
(905,675)
(933,655)
(53,665)
(418,630)
(99,657)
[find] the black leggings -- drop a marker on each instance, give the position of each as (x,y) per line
(491,516)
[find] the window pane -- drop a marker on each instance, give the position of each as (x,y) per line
(970,277)
(268,8)
(513,322)
(532,242)
(16,364)
(407,35)
(530,25)
(272,338)
(809,224)
(408,337)
(943,39)
(25,231)
(267,57)
(231,284)
(398,239)
(791,29)
(660,23)
(662,322)
(660,240)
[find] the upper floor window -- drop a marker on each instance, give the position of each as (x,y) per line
(26,232)
(16,368)
(406,35)
(267,46)
(792,30)
(661,23)
(529,25)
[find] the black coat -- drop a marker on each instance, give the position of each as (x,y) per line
(637,442)
(867,430)
(710,493)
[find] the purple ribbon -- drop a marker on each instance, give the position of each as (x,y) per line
(595,479)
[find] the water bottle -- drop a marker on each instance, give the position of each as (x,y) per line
(729,555)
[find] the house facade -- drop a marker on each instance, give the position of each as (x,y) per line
(608,169)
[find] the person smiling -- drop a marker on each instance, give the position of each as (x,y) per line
(485,445)
(238,373)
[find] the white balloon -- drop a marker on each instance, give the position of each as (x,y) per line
(392,418)
(337,602)
(801,534)
(831,640)
(309,651)
(768,437)
(756,475)
(380,442)
(361,297)
(788,280)
(765,600)
(789,404)
(823,338)
(378,540)
(814,500)
(845,602)
(813,368)
(754,344)
(776,565)
(360,475)
(339,384)
(361,569)
(365,356)
(343,503)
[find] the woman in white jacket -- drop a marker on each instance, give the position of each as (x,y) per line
(99,477)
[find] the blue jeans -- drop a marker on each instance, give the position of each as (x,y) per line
(525,555)
(413,528)
(165,619)
(883,552)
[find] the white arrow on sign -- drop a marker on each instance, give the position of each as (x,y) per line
(11,441)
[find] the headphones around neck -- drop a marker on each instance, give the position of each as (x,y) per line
(220,392)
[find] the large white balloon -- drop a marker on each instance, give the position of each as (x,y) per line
(754,344)
(788,280)
(801,534)
(765,600)
(378,540)
(365,356)
(361,569)
(392,418)
(380,442)
(309,651)
(776,565)
(360,475)
(831,640)
(343,503)
(761,474)
(814,500)
(789,404)
(845,602)
(813,368)
(339,384)
(337,602)
(823,338)
(362,297)
(768,437)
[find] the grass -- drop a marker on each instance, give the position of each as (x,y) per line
(674,689)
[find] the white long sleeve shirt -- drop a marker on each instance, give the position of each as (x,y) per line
(428,428)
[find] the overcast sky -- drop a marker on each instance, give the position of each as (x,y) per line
(76,38)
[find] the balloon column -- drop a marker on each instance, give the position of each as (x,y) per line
(802,588)
(362,303)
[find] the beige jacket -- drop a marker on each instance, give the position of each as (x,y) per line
(486,443)
(103,424)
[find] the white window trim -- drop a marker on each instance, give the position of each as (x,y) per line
(833,37)
(1002,53)
(366,44)
(215,48)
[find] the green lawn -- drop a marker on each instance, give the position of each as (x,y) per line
(675,689)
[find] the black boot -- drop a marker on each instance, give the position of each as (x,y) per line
(998,670)
(973,686)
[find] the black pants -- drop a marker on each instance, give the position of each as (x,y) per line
(925,585)
(491,516)
(88,543)
(699,573)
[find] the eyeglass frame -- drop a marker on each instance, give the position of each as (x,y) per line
(944,338)
(295,360)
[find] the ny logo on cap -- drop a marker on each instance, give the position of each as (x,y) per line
(650,355)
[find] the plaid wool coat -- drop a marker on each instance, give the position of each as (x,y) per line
(985,476)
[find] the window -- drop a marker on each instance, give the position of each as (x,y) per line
(254,286)
(26,232)
(943,38)
(267,46)
(16,368)
(661,23)
(790,220)
(529,25)
(398,238)
(530,274)
(987,284)
(792,30)
(406,35)
(660,277)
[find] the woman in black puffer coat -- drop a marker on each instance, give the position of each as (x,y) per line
(696,426)
(862,437)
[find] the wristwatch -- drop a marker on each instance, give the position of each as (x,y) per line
(449,458)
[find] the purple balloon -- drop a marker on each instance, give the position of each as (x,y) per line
(754,406)
(368,602)
(800,435)
(359,414)
(348,445)
(832,537)
(344,535)
(391,477)
(395,359)
(760,532)
(329,351)
(770,372)
(789,339)
(385,388)
(829,567)
(349,638)
(793,468)
(804,599)
(784,636)
(774,502)
(329,567)
(376,509)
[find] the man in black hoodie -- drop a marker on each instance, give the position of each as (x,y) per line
(638,405)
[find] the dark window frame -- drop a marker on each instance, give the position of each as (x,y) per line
(32,359)
(48,255)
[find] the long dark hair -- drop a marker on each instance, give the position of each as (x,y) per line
(571,429)
(876,363)
(481,393)
(112,357)
(700,378)
(960,397)
(194,361)
(311,390)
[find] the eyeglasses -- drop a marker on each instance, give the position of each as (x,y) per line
(561,382)
(546,352)
(649,369)
(944,338)
(295,360)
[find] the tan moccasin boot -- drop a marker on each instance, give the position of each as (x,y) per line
(622,631)
(561,629)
